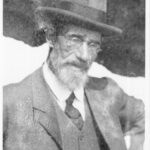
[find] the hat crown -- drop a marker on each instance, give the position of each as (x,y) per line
(84,8)
(88,13)
(97,4)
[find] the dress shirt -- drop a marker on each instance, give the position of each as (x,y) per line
(62,92)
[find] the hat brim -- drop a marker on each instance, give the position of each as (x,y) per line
(69,17)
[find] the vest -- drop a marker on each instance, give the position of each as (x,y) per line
(89,138)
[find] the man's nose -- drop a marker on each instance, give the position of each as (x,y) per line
(83,52)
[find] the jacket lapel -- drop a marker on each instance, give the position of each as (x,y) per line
(50,116)
(43,107)
(101,103)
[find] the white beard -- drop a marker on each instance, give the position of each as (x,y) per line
(72,77)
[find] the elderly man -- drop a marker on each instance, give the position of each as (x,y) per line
(59,107)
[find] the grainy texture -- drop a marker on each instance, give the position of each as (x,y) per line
(126,54)
(123,55)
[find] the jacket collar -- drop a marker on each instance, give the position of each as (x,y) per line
(100,103)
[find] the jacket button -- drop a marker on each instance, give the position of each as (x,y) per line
(81,137)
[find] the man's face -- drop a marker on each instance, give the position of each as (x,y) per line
(74,51)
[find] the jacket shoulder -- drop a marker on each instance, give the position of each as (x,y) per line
(17,103)
(22,88)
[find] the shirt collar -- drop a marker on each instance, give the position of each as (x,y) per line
(60,91)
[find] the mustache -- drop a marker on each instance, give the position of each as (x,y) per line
(79,64)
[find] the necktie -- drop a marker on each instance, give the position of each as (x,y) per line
(73,113)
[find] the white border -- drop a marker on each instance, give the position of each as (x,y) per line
(147,104)
(1,10)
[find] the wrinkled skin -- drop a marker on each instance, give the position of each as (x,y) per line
(71,63)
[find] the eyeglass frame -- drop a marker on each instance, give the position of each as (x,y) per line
(67,37)
(79,41)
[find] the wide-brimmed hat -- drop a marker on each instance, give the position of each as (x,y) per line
(86,13)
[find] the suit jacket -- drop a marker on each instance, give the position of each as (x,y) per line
(31,121)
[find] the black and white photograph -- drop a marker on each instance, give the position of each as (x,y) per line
(75,75)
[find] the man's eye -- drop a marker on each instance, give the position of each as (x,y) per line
(76,39)
(94,45)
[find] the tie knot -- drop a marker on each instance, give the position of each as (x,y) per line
(70,99)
